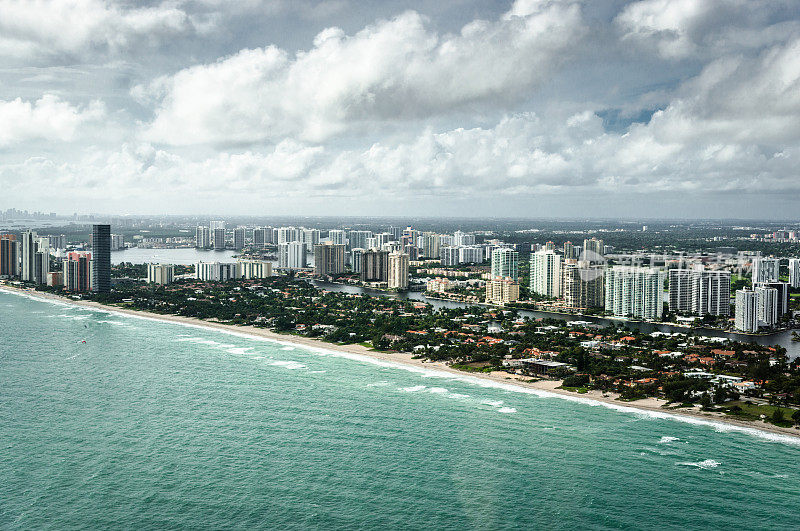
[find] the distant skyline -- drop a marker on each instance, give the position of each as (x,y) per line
(674,109)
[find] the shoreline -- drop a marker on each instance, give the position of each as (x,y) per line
(652,406)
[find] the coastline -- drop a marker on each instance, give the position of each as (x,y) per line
(651,406)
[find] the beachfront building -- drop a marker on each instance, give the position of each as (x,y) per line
(9,256)
(161,274)
(546,273)
(77,272)
(101,258)
(634,292)
(250,269)
(215,271)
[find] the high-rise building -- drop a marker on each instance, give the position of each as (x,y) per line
(259,237)
(569,251)
(471,254)
(746,311)
(117,242)
(398,271)
(371,243)
(782,299)
(395,233)
(161,274)
(58,241)
(592,247)
(8,256)
(357,239)
(767,305)
(794,272)
(329,258)
(202,237)
(505,263)
(214,271)
(699,292)
(288,234)
(77,272)
(356,256)
(545,273)
(635,292)
(449,256)
(213,225)
(431,243)
(292,255)
(337,236)
(101,258)
(462,238)
(218,239)
(35,258)
(375,266)
(253,269)
(582,284)
(411,237)
(310,237)
(501,290)
(766,269)
(549,246)
(239,234)
(382,239)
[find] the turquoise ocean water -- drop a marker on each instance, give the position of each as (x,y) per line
(154,425)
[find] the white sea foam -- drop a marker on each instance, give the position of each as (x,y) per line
(239,350)
(494,403)
(288,364)
(257,358)
(506,410)
(667,440)
(287,348)
(718,426)
(438,390)
(117,323)
(705,465)
(316,372)
(413,389)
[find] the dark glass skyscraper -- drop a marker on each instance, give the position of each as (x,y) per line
(101,257)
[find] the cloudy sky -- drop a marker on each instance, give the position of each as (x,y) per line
(535,108)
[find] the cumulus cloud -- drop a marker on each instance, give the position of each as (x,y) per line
(396,69)
(47,118)
(680,29)
(36,28)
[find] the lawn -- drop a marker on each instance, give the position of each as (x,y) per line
(754,412)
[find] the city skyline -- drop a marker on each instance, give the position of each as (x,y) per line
(523,109)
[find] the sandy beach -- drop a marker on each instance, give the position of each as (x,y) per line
(652,406)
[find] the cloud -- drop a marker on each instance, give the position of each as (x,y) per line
(47,28)
(48,118)
(393,70)
(694,29)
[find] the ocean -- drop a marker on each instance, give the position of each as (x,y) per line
(109,420)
